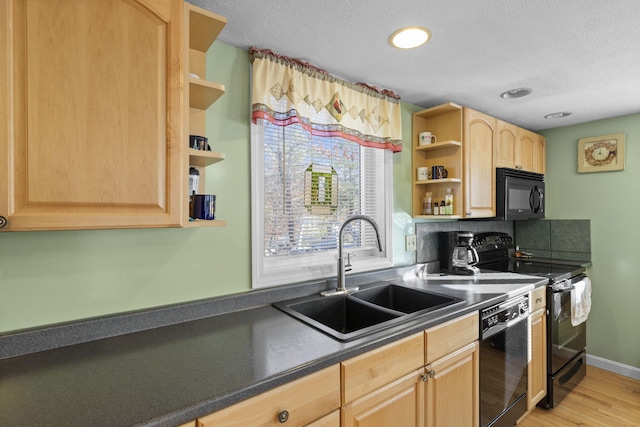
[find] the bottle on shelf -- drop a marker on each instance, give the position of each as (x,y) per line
(448,200)
(427,204)
(442,208)
(436,210)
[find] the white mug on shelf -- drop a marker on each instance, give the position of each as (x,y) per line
(422,174)
(426,138)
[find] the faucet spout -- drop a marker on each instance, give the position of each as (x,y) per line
(342,289)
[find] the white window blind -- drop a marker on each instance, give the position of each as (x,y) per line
(304,187)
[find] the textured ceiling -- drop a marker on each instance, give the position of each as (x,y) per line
(580,56)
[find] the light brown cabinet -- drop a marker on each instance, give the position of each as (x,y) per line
(479,172)
(92,129)
(452,393)
(399,403)
(203,27)
(537,368)
(452,373)
(384,385)
(301,402)
(518,148)
(465,149)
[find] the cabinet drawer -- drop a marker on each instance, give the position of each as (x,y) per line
(450,336)
(538,298)
(370,371)
(305,400)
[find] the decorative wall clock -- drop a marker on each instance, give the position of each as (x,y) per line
(601,153)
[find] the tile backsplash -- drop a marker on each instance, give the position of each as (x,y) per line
(568,239)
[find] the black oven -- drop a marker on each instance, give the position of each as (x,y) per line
(519,194)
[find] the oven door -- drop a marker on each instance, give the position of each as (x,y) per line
(566,340)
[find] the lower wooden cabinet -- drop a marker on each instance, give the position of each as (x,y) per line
(537,369)
(399,403)
(429,379)
(298,403)
(452,389)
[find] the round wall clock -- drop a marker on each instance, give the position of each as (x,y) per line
(601,153)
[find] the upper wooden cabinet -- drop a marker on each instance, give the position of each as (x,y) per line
(91,106)
(479,171)
(518,148)
(465,149)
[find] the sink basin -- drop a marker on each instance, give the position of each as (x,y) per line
(405,300)
(346,317)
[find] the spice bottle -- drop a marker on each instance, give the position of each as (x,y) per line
(436,211)
(448,200)
(427,203)
(442,208)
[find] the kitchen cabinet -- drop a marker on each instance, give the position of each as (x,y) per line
(518,148)
(202,27)
(396,404)
(537,368)
(310,400)
(479,171)
(452,373)
(452,393)
(464,147)
(91,100)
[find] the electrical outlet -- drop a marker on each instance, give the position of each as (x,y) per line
(410,242)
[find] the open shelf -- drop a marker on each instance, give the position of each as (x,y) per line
(438,181)
(204,158)
(203,93)
(204,27)
(439,145)
(206,223)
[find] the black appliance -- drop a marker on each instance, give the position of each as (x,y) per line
(566,344)
(503,362)
(519,194)
(457,254)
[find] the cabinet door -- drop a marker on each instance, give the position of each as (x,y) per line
(452,395)
(92,93)
(479,171)
(539,154)
(505,147)
(537,369)
(525,142)
(397,404)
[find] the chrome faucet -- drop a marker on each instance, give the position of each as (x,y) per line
(342,289)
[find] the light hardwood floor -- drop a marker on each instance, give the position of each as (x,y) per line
(602,399)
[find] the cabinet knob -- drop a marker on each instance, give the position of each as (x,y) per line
(430,374)
(283,417)
(468,213)
(3,221)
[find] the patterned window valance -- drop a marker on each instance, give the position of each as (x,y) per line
(287,90)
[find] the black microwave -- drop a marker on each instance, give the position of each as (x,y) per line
(519,194)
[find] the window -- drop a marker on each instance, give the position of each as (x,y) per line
(304,187)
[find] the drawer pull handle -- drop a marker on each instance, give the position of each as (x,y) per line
(3,221)
(539,299)
(283,417)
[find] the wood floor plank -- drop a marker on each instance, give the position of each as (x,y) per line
(602,399)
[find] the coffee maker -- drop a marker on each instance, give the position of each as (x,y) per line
(457,254)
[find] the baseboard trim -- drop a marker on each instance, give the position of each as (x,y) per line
(615,367)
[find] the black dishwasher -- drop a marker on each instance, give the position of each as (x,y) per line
(503,362)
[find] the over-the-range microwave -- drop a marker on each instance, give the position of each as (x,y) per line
(519,194)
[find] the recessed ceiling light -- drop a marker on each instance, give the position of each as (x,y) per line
(557,115)
(410,37)
(516,93)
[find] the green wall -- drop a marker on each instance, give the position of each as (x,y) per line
(611,200)
(49,277)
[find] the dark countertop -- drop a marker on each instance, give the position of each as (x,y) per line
(172,374)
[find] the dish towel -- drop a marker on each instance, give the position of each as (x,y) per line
(580,301)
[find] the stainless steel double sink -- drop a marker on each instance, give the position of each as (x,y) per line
(346,317)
